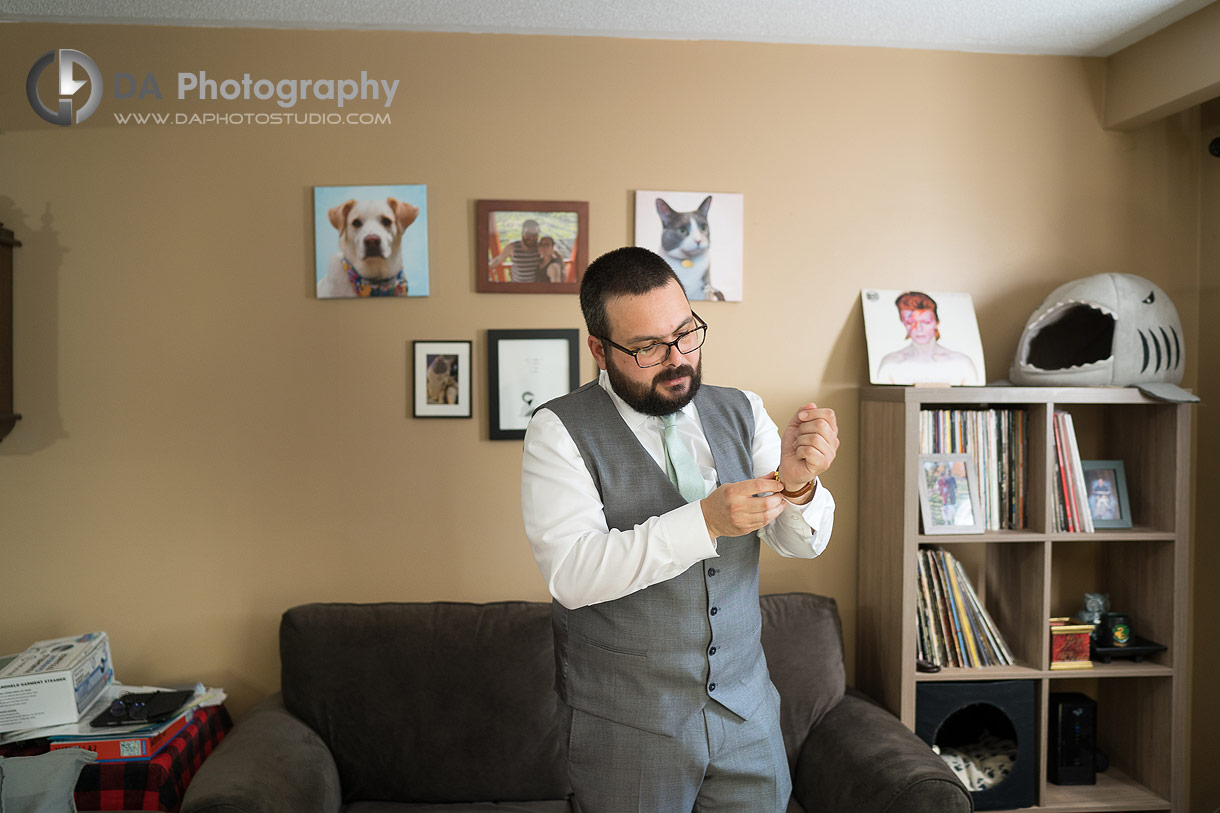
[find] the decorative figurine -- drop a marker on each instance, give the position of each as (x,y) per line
(1095,604)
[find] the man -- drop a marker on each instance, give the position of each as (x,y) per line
(665,699)
(947,485)
(526,257)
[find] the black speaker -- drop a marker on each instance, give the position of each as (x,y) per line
(1073,739)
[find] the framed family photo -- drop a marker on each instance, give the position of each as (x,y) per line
(525,369)
(441,379)
(530,246)
(1106,483)
(917,337)
(949,494)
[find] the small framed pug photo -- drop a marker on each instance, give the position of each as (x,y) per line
(530,246)
(370,241)
(441,376)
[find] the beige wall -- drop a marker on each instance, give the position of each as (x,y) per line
(205,444)
(1172,70)
(1205,702)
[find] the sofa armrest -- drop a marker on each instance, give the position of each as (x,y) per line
(861,758)
(270,762)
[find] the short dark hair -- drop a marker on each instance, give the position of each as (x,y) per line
(626,271)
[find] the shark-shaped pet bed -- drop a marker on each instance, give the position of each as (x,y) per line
(1106,330)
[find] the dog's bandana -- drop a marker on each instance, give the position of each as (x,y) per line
(395,286)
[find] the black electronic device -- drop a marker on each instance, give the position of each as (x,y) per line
(142,707)
(1073,739)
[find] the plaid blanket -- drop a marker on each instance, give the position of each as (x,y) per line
(145,784)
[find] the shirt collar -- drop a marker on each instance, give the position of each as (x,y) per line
(634,419)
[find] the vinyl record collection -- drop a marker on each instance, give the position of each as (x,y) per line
(954,627)
(996,438)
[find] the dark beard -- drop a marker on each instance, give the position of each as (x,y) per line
(647,399)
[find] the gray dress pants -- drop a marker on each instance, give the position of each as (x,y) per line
(716,762)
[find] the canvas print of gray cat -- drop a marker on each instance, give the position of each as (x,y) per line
(686,241)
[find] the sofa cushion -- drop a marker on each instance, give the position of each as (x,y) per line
(429,702)
(556,806)
(803,640)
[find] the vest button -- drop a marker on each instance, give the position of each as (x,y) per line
(711,687)
(715,610)
(711,571)
(712,651)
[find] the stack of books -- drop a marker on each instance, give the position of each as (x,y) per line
(123,743)
(1071,497)
(955,630)
(996,439)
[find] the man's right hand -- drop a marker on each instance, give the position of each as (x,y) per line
(735,509)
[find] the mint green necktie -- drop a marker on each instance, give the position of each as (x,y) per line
(679,464)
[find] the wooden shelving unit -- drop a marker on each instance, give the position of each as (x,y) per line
(1026,577)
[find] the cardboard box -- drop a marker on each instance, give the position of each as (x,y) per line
(54,681)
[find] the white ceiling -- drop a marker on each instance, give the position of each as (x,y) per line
(1071,27)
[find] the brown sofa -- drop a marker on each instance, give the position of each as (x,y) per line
(449,708)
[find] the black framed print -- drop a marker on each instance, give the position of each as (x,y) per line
(441,379)
(525,369)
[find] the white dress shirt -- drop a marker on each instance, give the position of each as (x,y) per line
(584,562)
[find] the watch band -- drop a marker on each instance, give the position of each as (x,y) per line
(800,492)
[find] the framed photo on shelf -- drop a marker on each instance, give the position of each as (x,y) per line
(949,494)
(530,246)
(441,376)
(1106,484)
(525,369)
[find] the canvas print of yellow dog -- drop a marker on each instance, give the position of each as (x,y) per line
(371,234)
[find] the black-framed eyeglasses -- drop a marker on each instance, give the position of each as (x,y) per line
(657,352)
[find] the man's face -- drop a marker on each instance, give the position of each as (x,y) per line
(530,237)
(920,325)
(638,321)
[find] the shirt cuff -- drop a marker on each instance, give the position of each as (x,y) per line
(819,514)
(685,531)
(802,531)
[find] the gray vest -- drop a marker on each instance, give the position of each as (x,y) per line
(653,658)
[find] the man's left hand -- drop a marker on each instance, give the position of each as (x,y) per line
(808,445)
